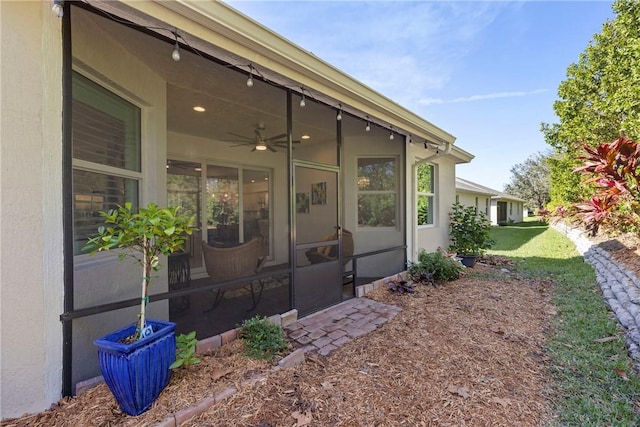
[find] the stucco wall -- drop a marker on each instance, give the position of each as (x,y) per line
(31,274)
(430,238)
(469,199)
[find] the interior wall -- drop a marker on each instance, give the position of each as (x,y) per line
(31,260)
(188,147)
(320,219)
(102,278)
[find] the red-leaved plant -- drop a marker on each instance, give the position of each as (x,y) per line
(613,168)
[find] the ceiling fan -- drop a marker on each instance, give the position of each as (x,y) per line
(259,142)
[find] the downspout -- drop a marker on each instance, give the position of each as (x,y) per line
(414,166)
(447,150)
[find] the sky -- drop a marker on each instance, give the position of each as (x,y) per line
(486,72)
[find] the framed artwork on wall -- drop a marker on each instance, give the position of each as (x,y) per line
(302,202)
(319,193)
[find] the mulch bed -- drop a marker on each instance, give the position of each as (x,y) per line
(467,352)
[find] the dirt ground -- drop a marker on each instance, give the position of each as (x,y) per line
(465,353)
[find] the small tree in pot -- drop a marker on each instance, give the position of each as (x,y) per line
(469,233)
(135,360)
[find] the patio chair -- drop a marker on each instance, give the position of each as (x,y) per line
(228,263)
(330,253)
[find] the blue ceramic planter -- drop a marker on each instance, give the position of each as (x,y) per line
(136,373)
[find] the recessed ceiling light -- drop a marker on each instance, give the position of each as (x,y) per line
(199,109)
(305,136)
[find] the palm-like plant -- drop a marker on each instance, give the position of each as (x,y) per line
(614,169)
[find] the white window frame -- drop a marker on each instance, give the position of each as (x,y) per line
(84,165)
(431,194)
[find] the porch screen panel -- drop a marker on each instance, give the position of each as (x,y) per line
(377,205)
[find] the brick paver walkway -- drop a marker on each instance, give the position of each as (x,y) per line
(327,330)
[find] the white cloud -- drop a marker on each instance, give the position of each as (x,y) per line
(472,98)
(401,49)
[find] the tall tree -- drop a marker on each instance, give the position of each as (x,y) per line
(530,181)
(600,99)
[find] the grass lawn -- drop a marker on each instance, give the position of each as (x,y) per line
(594,383)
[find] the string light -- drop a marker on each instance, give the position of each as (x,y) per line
(250,79)
(57,8)
(175,55)
(302,102)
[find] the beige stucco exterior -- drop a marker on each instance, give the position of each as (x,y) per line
(31,214)
(31,259)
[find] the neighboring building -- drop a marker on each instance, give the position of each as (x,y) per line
(285,149)
(471,194)
(500,208)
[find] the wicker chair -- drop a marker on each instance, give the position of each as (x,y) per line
(226,264)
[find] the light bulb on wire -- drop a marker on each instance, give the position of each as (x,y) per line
(367,128)
(175,55)
(339,116)
(391,134)
(250,79)
(302,101)
(57,8)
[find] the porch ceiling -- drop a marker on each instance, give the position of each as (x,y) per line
(213,24)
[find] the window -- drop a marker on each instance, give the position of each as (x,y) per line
(237,205)
(377,187)
(425,194)
(477,206)
(510,208)
(106,155)
(486,207)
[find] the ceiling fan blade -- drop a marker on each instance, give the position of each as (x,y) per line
(273,138)
(241,144)
(270,148)
(283,143)
(254,149)
(240,136)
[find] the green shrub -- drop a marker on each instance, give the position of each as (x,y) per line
(186,350)
(468,230)
(262,338)
(435,267)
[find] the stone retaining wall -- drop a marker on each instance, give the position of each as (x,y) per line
(620,287)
